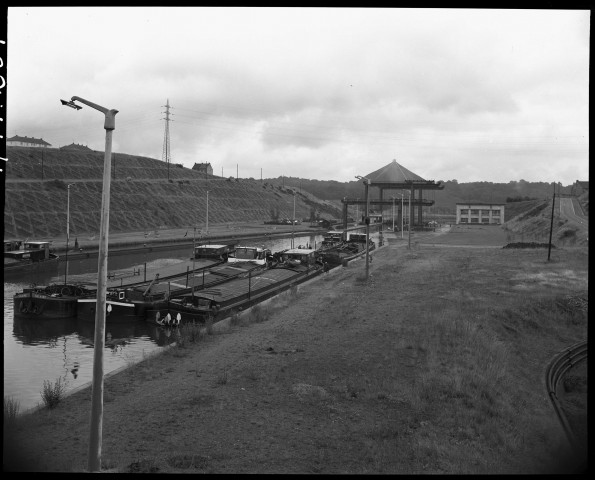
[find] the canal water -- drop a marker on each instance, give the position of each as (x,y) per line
(38,351)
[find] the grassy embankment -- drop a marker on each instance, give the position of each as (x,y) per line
(434,365)
(142,197)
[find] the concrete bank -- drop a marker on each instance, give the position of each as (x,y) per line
(138,242)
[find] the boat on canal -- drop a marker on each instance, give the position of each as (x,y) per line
(214,251)
(51,301)
(32,257)
(217,302)
(130,303)
(332,239)
(353,248)
(256,255)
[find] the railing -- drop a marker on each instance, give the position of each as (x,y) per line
(555,372)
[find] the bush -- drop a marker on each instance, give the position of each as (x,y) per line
(52,394)
(11,410)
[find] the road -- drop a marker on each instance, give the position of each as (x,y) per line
(567,211)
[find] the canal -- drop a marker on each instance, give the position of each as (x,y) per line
(38,351)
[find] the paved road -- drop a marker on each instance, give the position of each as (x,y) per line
(567,211)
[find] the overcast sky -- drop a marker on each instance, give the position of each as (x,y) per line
(319,93)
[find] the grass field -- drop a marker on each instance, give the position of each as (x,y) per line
(434,364)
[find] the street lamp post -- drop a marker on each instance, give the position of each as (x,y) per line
(94,464)
(393,214)
(410,221)
(67,229)
(367,184)
(293,222)
(402,213)
(549,248)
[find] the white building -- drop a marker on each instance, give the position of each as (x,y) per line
(25,141)
(480,213)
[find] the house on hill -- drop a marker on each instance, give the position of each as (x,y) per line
(480,213)
(76,147)
(18,141)
(203,168)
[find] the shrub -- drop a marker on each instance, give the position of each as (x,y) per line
(189,333)
(209,326)
(52,393)
(11,410)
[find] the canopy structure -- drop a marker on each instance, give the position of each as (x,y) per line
(390,178)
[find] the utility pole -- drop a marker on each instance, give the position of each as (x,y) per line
(367,220)
(410,218)
(549,248)
(166,156)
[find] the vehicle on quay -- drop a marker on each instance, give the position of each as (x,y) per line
(215,303)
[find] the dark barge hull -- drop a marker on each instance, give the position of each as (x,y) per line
(241,293)
(55,301)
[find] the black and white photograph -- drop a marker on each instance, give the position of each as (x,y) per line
(295,240)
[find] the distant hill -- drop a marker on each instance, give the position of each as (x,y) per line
(445,200)
(142,197)
(147,195)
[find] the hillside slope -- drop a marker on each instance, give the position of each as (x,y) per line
(142,196)
(532,222)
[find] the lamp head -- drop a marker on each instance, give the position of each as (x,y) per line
(71,104)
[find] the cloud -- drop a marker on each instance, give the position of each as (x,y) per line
(319,93)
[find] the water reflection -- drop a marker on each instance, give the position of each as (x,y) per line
(117,335)
(45,350)
(32,331)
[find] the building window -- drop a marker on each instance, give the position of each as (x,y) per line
(474,212)
(495,213)
(463,220)
(485,212)
(464,211)
(485,220)
(475,220)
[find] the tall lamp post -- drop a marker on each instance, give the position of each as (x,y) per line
(293,222)
(402,213)
(67,229)
(409,220)
(94,463)
(393,213)
(367,184)
(549,248)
